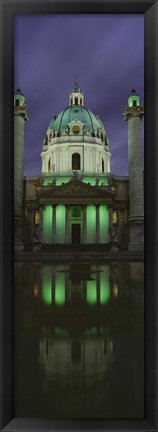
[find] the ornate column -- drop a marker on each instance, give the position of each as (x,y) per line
(133,115)
(67,225)
(53,224)
(97,224)
(84,227)
(20,117)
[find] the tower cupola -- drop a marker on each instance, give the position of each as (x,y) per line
(133,99)
(76,96)
(19,98)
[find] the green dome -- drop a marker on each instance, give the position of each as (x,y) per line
(79,113)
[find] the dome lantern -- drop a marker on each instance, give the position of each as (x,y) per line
(76,96)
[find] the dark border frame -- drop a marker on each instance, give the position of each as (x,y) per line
(8,8)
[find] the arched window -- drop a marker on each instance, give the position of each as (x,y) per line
(76,161)
(17,102)
(80,101)
(135,103)
(76,101)
(49,165)
(102,165)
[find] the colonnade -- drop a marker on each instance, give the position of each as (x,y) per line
(56,223)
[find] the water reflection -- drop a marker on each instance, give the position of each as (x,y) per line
(79,340)
(62,286)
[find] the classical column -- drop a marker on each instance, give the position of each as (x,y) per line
(84,227)
(97,224)
(53,223)
(67,225)
(41,222)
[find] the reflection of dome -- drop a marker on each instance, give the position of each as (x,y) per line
(89,356)
(77,372)
(76,113)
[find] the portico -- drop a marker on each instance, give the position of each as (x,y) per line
(75,213)
(89,226)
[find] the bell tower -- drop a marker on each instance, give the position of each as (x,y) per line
(20,116)
(133,115)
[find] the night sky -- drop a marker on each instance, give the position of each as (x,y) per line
(105,52)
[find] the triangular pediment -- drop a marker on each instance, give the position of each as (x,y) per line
(75,187)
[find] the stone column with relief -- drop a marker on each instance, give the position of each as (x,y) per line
(133,115)
(20,117)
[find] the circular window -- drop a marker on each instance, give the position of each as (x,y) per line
(76,129)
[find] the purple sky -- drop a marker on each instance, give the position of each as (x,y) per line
(105,52)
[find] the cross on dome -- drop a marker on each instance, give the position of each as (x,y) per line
(76,97)
(76,86)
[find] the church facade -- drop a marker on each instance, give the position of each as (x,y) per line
(76,200)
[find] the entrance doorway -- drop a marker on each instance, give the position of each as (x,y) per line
(76,233)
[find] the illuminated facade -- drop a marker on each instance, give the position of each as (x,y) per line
(76,200)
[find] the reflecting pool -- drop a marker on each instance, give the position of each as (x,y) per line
(79,340)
